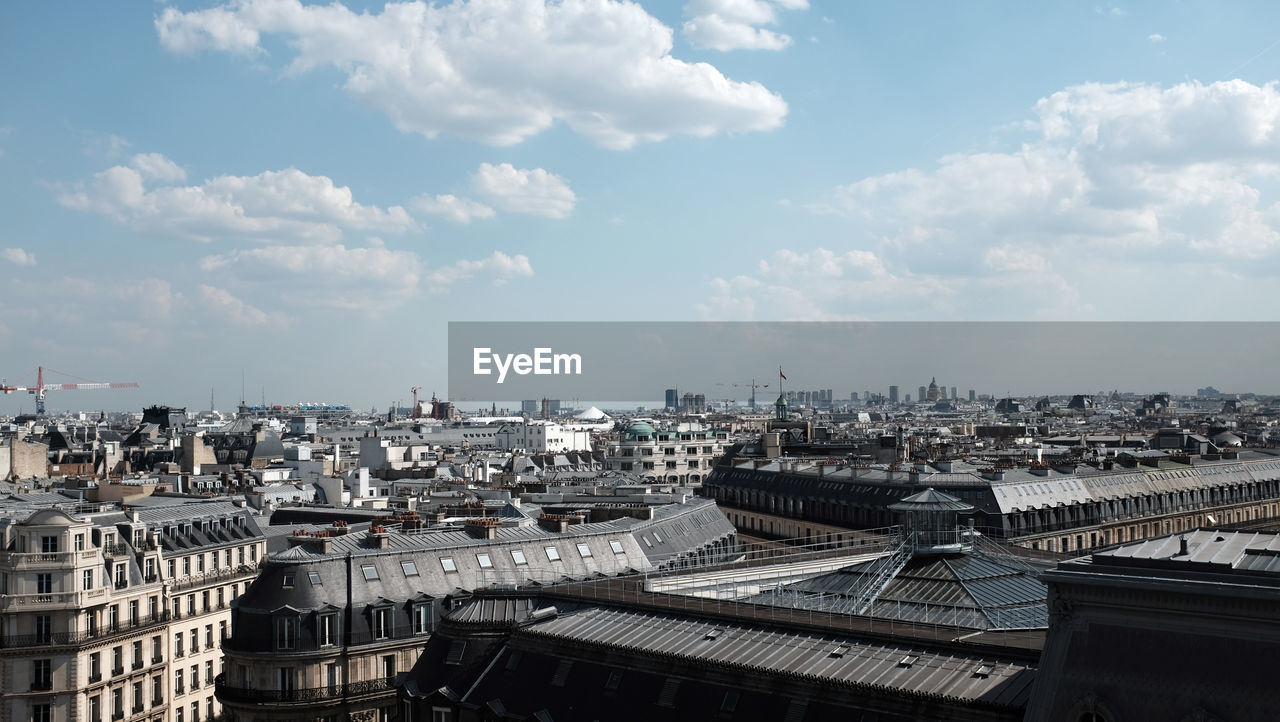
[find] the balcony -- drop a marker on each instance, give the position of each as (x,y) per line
(22,561)
(157,702)
(117,671)
(118,714)
(54,600)
(138,708)
(41,685)
(57,639)
(95,678)
(137,664)
(368,688)
(156,659)
(244,571)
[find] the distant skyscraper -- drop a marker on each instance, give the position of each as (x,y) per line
(973,395)
(673,399)
(893,394)
(921,394)
(953,393)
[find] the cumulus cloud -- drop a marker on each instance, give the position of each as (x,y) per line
(458,210)
(154,166)
(517,190)
(496,71)
(1114,180)
(18,256)
(225,305)
(285,205)
(1156,38)
(736,24)
(499,268)
(334,276)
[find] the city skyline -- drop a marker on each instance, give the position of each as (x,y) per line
(196,189)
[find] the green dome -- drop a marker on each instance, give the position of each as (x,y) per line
(637,430)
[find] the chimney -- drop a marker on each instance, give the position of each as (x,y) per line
(483,527)
(558,523)
(379,537)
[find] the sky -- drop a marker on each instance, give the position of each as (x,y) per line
(304,195)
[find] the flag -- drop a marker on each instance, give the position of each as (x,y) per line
(783,376)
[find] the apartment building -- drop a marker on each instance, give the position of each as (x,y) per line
(329,623)
(683,457)
(119,615)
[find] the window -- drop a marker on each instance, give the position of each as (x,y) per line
(42,674)
(44,628)
(177,645)
(177,607)
(517,556)
(484,561)
(117,703)
(286,581)
(95,667)
(616,546)
(204,600)
(208,672)
(286,679)
(133,611)
(179,684)
(584,551)
(137,697)
(381,623)
(441,714)
(44,584)
(195,712)
(326,626)
(49,545)
(88,579)
(153,607)
(222,630)
(186,566)
(191,604)
(95,708)
(370,572)
(448,565)
(553,554)
(79,542)
(113,616)
(195,676)
(137,654)
(421,618)
(117,660)
(170,566)
(410,569)
(208,635)
(314,577)
(156,654)
(150,569)
(195,641)
(286,632)
(157,691)
(177,714)
(388,665)
(222,600)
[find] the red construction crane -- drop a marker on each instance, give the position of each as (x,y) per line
(417,412)
(41,387)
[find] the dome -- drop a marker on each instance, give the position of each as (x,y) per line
(637,430)
(1226,439)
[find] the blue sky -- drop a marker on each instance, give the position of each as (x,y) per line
(310,193)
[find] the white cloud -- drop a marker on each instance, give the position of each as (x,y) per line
(226,306)
(499,268)
(1116,181)
(18,256)
(517,190)
(273,206)
(456,209)
(1156,38)
(497,72)
(154,166)
(735,24)
(335,276)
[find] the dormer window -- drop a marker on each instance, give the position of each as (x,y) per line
(286,632)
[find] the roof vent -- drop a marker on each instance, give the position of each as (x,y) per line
(908,660)
(984,671)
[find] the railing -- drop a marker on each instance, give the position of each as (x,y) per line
(267,647)
(41,560)
(221,575)
(227,693)
(42,685)
(117,671)
(65,638)
(23,602)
